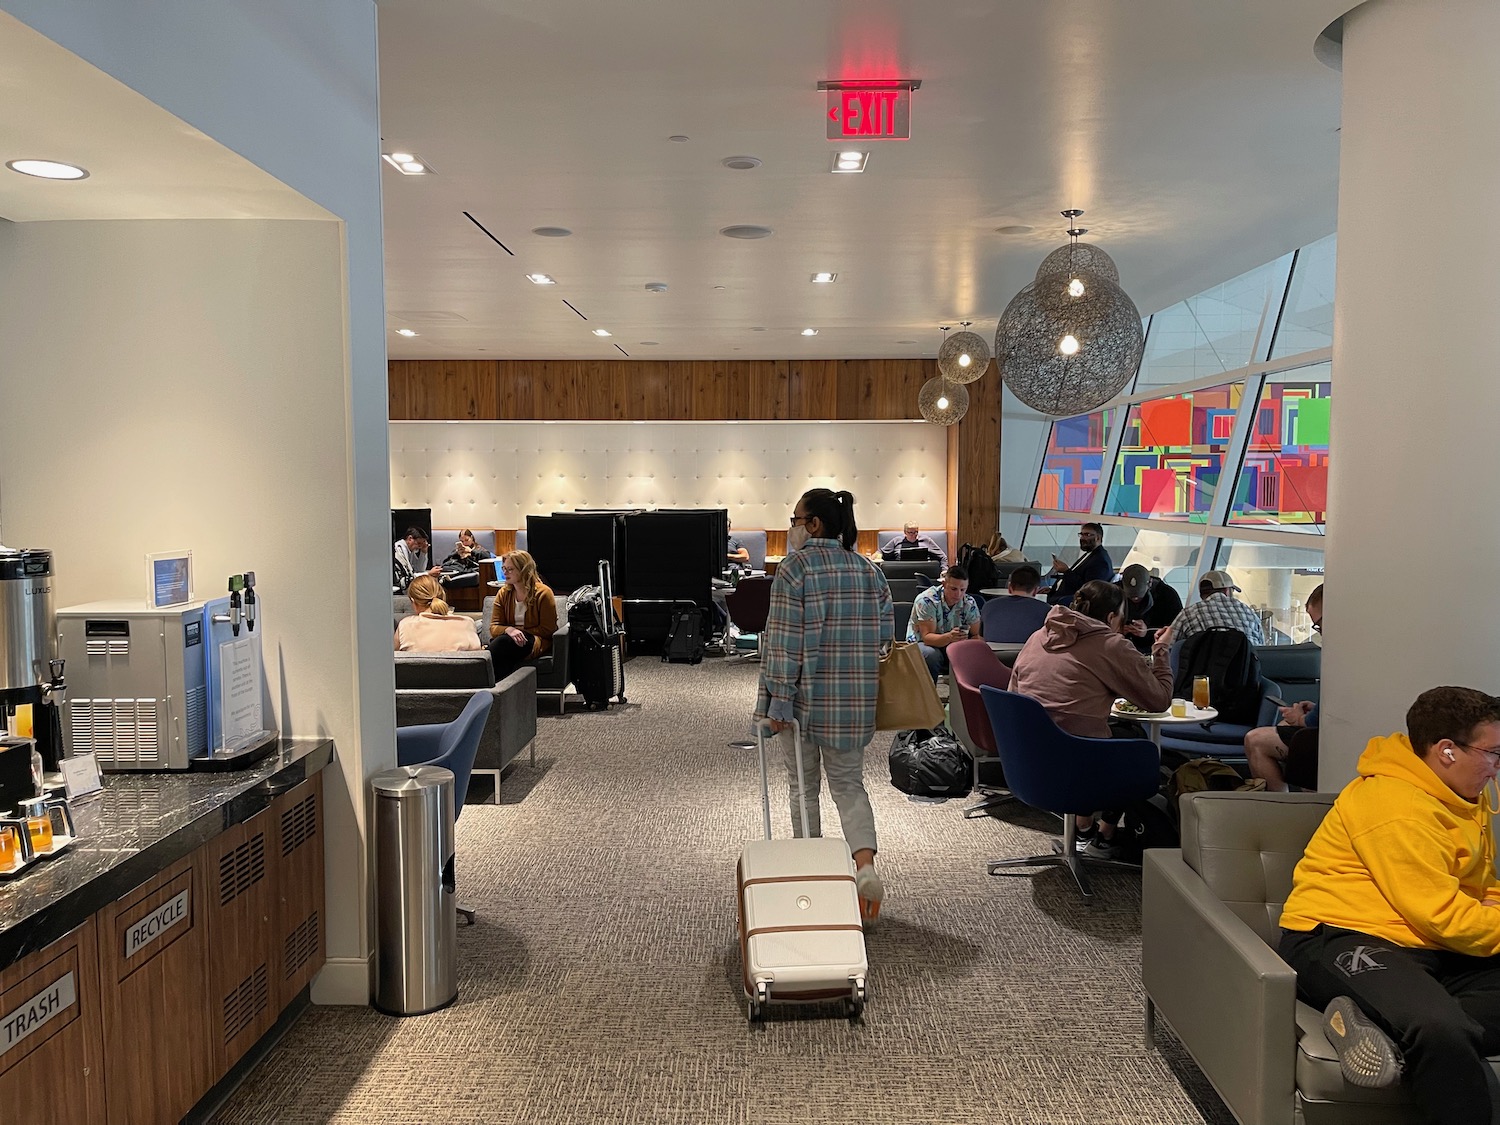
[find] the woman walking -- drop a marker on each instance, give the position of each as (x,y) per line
(830,617)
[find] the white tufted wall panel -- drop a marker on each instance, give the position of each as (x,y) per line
(493,474)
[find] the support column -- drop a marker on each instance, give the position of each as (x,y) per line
(1413,549)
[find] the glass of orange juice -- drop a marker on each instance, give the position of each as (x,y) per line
(1200,692)
(40,829)
(9,848)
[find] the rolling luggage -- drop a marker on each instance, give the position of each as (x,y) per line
(595,654)
(800,931)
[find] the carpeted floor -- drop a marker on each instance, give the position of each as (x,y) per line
(601,983)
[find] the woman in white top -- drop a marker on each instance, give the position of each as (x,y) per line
(434,627)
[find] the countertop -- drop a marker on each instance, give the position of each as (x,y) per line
(140,825)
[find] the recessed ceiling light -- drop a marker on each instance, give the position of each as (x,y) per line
(48,169)
(847,162)
(1013,228)
(408,164)
(540,279)
(649,343)
(679,139)
(656,287)
(741,163)
(603,332)
(824,278)
(809,332)
(745,230)
(551,232)
(405,332)
(720,286)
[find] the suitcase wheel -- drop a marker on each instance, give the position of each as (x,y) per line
(854,1006)
(758,1001)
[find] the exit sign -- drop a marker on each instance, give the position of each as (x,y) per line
(878,111)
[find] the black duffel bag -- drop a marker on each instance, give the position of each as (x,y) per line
(931,763)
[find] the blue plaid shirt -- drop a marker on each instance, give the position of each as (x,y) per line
(830,614)
(1218,611)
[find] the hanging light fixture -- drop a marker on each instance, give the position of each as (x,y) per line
(964,356)
(1069,342)
(942,403)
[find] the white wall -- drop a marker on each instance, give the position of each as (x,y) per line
(493,474)
(291,86)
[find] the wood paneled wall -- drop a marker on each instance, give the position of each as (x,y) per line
(713,390)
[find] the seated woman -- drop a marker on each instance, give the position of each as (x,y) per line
(433,627)
(461,568)
(524,617)
(1079,662)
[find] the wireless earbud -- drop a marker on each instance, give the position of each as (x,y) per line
(1448,753)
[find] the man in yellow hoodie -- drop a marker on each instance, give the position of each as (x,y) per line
(1392,923)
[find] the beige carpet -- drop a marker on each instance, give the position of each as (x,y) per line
(602,981)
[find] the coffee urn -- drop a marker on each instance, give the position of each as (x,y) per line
(29,669)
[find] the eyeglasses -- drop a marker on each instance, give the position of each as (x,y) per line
(795,520)
(1317,627)
(1492,752)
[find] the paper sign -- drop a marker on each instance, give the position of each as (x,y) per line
(239,690)
(80,775)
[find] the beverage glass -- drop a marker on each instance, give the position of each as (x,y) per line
(1200,692)
(10,848)
(40,829)
(1179,708)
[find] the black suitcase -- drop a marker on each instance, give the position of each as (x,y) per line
(685,641)
(595,657)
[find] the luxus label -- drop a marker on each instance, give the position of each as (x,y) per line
(159,921)
(37,1012)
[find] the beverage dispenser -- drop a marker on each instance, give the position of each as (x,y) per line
(30,672)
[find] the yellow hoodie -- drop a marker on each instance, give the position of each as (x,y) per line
(1401,856)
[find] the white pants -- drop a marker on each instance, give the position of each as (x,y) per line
(846,781)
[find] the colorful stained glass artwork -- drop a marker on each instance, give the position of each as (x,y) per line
(1284,481)
(1073,463)
(1172,454)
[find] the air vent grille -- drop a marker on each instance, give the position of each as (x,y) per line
(301,945)
(242,868)
(118,732)
(299,824)
(197,720)
(245,1002)
(107,646)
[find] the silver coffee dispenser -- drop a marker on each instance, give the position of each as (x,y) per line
(29,669)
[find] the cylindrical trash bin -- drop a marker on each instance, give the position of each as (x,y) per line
(416,915)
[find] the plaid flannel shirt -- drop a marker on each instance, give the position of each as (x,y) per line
(830,615)
(1218,611)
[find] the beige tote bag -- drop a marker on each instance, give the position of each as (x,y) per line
(907,699)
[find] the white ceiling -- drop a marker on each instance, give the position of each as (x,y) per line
(1199,136)
(143,162)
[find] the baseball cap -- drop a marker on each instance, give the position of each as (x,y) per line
(1220,580)
(1136,580)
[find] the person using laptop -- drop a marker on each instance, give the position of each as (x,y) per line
(910,544)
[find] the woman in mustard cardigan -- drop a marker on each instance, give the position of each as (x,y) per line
(524,617)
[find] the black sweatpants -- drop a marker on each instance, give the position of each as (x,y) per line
(507,655)
(1441,1009)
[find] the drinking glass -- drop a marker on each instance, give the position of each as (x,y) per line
(1200,692)
(9,848)
(40,828)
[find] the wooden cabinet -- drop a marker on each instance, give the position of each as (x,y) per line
(299,929)
(50,1051)
(241,903)
(153,972)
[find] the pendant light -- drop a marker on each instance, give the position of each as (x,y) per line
(964,356)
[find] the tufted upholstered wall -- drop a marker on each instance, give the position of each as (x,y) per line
(493,474)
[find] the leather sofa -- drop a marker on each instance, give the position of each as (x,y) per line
(433,687)
(1209,926)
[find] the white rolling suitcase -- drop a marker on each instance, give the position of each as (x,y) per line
(800,931)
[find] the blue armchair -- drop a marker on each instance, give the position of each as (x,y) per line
(1047,768)
(451,746)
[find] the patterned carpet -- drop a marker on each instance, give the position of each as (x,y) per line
(601,983)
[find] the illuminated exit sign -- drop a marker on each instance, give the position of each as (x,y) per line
(879,111)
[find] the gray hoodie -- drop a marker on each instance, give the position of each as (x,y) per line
(1076,667)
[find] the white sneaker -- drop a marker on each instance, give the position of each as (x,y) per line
(871,890)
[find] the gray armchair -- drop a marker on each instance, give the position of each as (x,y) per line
(1209,927)
(552,671)
(433,687)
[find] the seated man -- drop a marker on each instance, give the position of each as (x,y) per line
(1219,609)
(1093,564)
(1392,922)
(941,615)
(411,558)
(1287,754)
(735,552)
(912,538)
(1015,615)
(1150,604)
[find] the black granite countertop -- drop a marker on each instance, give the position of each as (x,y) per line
(140,825)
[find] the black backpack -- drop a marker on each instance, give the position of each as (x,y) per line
(1227,658)
(981,568)
(931,763)
(685,643)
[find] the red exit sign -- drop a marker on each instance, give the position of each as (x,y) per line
(869,110)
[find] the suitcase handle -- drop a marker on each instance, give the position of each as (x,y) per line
(761,730)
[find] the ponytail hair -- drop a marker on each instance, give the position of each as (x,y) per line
(836,512)
(425,590)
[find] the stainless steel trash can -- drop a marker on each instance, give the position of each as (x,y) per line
(416,915)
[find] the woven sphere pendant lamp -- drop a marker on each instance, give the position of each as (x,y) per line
(964,356)
(942,403)
(1070,340)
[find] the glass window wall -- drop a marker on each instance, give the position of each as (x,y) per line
(1284,480)
(1073,462)
(1172,455)
(1307,318)
(1276,580)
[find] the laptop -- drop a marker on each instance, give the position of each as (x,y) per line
(915,554)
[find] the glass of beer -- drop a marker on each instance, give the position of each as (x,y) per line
(1200,692)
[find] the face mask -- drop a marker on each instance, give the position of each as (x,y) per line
(796,538)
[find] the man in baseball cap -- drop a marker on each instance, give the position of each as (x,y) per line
(1218,609)
(1150,604)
